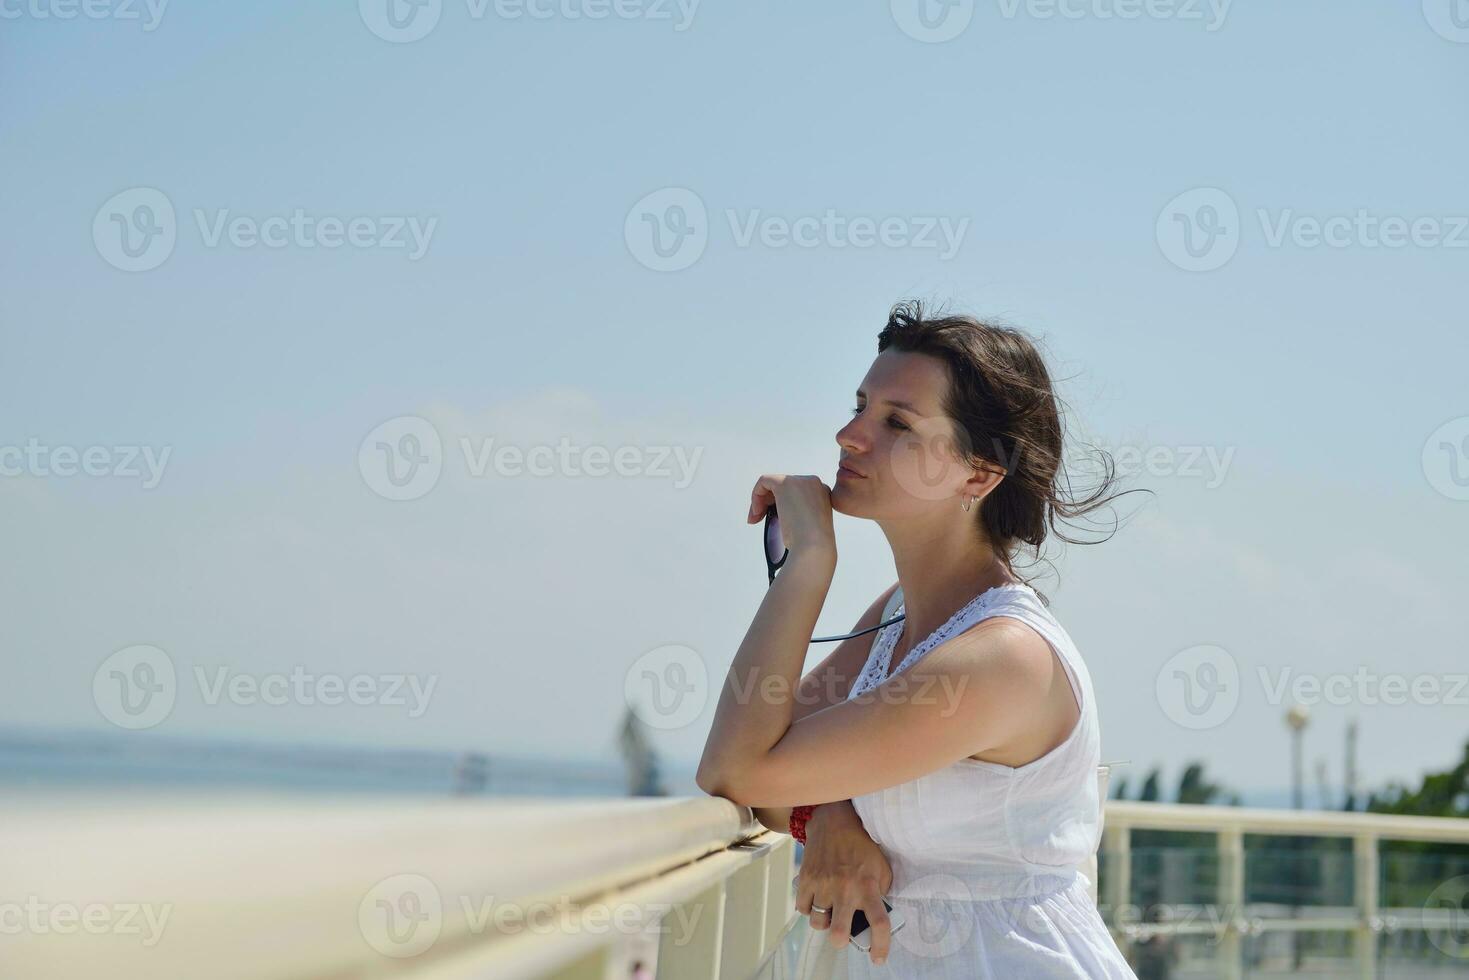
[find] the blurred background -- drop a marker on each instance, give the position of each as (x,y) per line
(384,383)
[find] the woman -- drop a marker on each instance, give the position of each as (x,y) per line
(951,756)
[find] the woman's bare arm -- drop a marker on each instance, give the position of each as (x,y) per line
(973,693)
(828,683)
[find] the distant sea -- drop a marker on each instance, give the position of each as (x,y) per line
(43,761)
(39,761)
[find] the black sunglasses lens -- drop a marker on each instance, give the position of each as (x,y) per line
(774,547)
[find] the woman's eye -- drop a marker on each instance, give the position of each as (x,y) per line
(892,420)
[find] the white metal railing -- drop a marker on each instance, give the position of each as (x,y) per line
(513,888)
(503,889)
(1229,923)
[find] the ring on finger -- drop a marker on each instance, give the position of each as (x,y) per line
(818,908)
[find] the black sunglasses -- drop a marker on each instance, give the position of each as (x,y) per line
(774,546)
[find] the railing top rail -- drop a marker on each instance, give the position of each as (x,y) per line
(1139,815)
(259,887)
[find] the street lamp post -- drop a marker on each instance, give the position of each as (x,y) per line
(1296,718)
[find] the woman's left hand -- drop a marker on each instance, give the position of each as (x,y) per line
(843,870)
(803,504)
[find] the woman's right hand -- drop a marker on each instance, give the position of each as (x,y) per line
(844,870)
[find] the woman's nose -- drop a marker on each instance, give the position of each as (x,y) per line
(849,437)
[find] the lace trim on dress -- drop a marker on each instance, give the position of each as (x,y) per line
(875,671)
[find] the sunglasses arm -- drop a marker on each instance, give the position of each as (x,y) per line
(773,566)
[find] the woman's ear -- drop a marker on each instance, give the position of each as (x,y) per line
(985,479)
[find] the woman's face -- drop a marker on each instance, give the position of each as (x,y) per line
(901,442)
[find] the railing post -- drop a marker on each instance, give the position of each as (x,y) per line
(1364,848)
(1117,848)
(1231,845)
(780,906)
(743,940)
(699,954)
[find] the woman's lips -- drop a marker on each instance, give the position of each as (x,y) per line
(844,470)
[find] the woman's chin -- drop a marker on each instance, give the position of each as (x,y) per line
(843,501)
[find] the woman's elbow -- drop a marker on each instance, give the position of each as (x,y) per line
(715,784)
(748,790)
(724,784)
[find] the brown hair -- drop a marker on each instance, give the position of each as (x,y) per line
(1008,414)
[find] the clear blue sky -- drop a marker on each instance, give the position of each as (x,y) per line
(1058,142)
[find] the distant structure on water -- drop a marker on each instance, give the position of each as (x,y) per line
(641,761)
(471,774)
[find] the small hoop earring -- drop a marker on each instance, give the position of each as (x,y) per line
(968,503)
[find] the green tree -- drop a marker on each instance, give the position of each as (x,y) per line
(1412,869)
(1190,856)
(1443,794)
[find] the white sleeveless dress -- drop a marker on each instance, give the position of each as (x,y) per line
(986,858)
